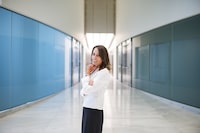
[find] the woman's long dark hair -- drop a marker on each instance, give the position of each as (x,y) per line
(103,53)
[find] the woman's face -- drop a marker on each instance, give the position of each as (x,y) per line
(96,59)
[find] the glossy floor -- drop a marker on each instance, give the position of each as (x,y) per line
(127,110)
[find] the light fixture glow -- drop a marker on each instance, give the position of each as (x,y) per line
(99,39)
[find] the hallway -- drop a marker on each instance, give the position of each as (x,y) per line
(127,110)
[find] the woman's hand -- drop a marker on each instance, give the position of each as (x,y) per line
(90,69)
(90,82)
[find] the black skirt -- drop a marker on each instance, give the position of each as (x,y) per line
(92,121)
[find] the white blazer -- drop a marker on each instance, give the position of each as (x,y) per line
(94,95)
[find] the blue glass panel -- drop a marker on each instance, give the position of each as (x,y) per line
(60,60)
(32,57)
(51,60)
(24,55)
(5,58)
(46,60)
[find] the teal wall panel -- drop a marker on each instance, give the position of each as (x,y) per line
(186,61)
(167,61)
(160,69)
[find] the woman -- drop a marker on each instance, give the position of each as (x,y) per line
(94,84)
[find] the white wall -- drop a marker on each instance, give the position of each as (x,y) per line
(65,15)
(134,17)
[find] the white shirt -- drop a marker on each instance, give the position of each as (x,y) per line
(94,95)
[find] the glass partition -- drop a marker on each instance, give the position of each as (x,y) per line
(76,61)
(119,63)
(166,61)
(36,60)
(126,62)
